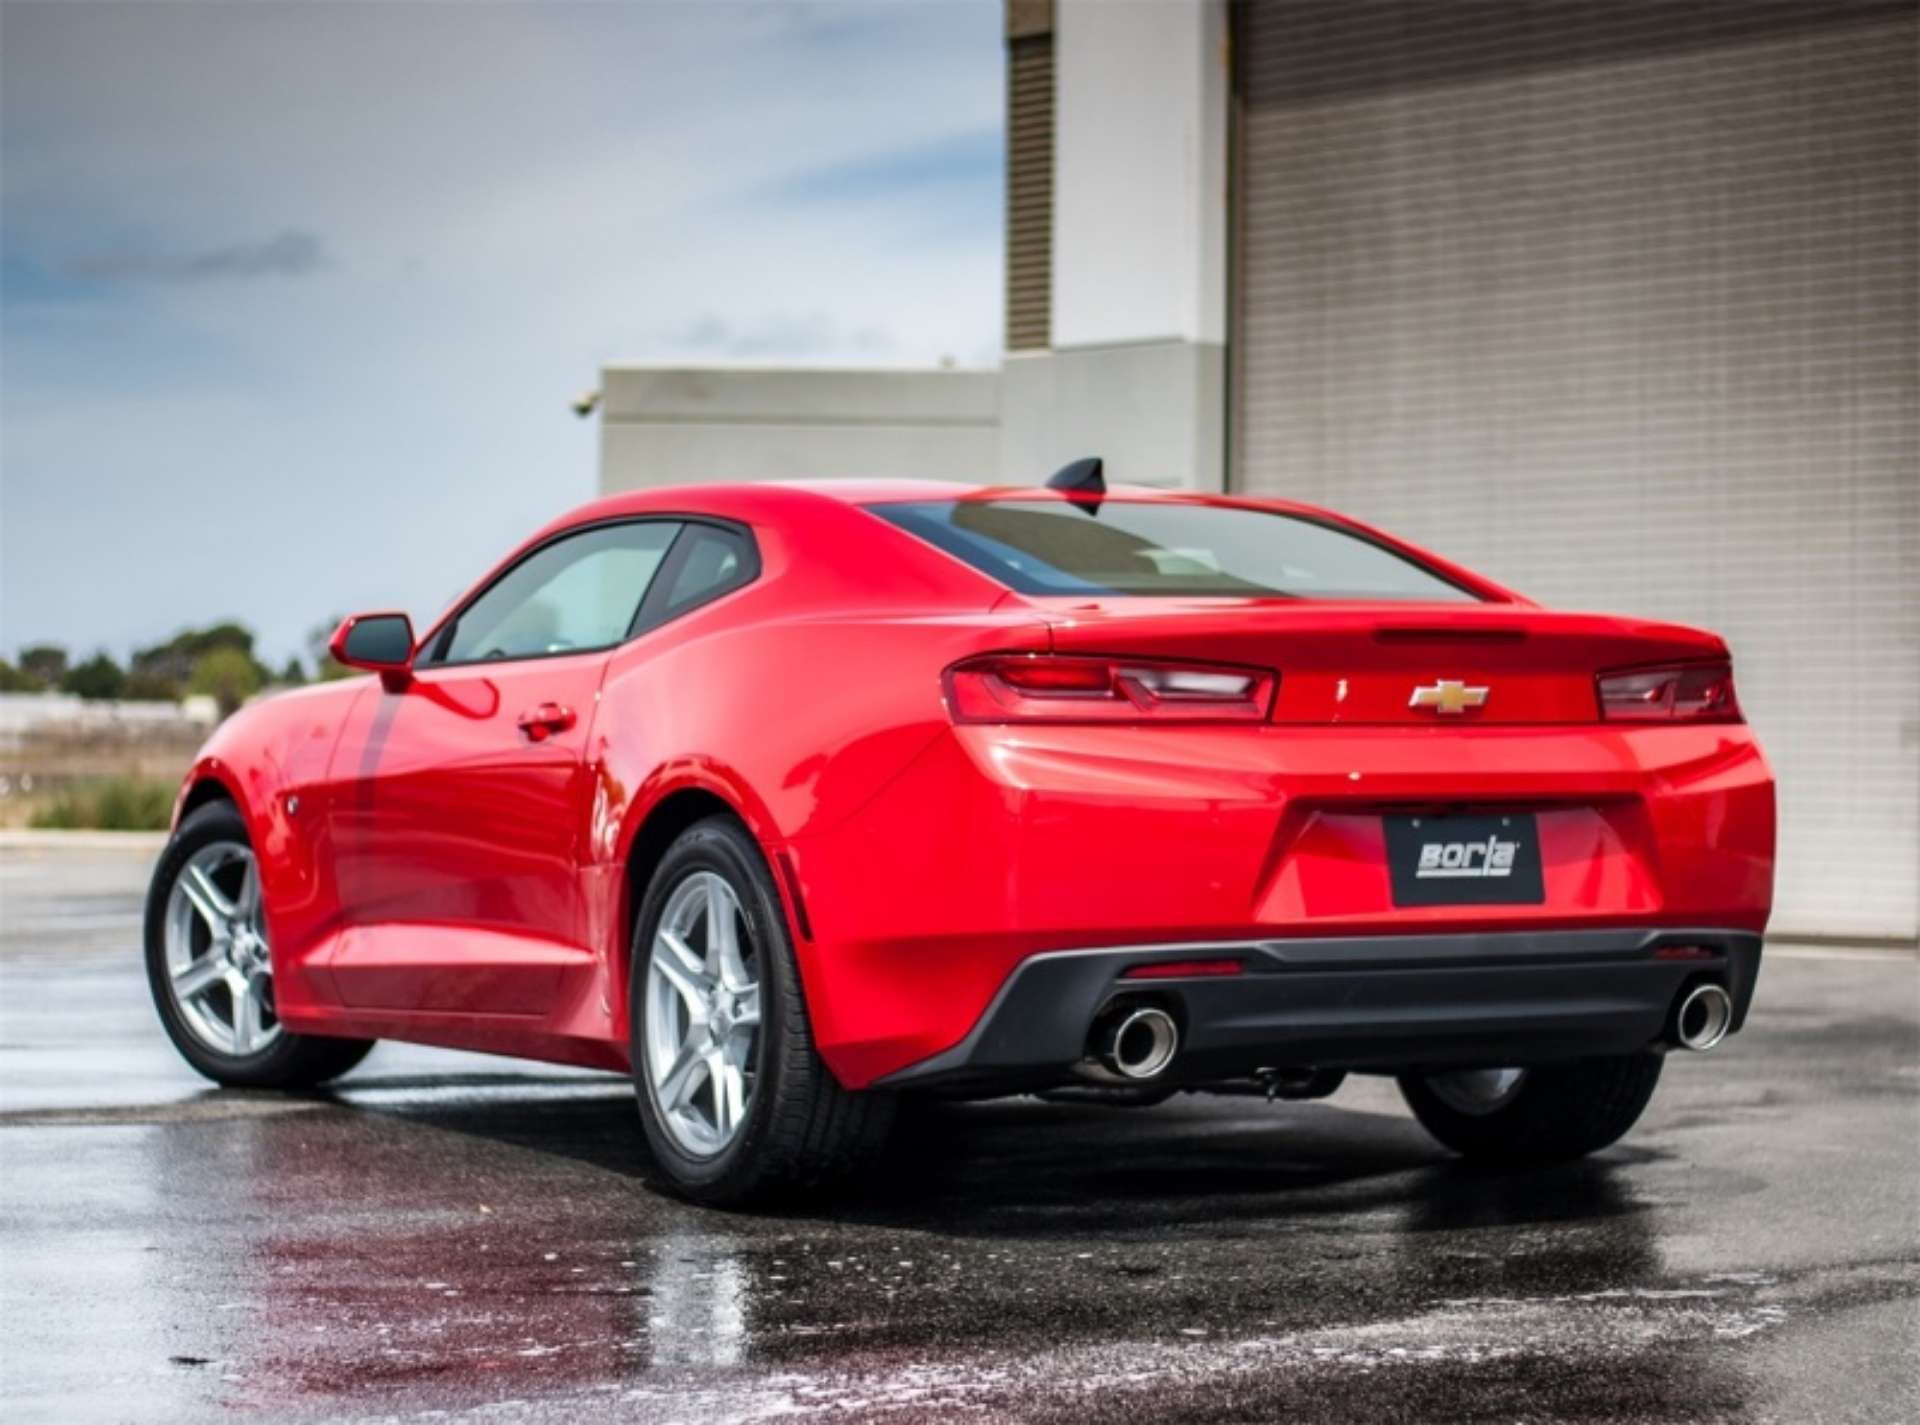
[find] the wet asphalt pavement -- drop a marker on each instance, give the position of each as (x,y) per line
(449,1234)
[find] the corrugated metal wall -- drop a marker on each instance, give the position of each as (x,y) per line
(1029,174)
(1617,302)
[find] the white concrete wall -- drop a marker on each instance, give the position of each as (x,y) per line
(1140,171)
(1153,411)
(1136,372)
(689,426)
(24,713)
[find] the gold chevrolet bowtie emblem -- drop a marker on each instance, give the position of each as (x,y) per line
(1448,696)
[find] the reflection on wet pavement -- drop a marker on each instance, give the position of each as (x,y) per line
(449,1232)
(414,1246)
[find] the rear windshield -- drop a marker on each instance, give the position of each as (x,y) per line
(1138,548)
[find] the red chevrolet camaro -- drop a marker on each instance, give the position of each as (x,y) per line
(796,800)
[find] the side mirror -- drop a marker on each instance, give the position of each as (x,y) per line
(380,642)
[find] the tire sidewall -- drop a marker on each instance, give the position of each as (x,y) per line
(721,846)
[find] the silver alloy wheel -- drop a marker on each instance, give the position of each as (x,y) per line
(703,1015)
(1477,1092)
(219,971)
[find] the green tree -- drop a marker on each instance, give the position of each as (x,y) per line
(98,677)
(294,674)
(227,675)
(148,688)
(173,661)
(45,661)
(18,680)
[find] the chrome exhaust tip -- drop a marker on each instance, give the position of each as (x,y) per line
(1137,1043)
(1702,1018)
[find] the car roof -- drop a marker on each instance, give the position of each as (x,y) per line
(744,499)
(871,492)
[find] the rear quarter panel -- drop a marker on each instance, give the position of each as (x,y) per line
(795,699)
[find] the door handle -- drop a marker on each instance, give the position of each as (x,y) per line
(541,722)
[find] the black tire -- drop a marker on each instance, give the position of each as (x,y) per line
(291,1061)
(1558,1112)
(801,1131)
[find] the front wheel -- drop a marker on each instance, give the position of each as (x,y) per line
(210,970)
(736,1103)
(1536,1115)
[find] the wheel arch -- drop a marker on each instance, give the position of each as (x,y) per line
(658,826)
(657,830)
(208,782)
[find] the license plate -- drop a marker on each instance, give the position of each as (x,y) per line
(1464,860)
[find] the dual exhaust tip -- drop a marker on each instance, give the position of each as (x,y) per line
(1137,1042)
(1702,1017)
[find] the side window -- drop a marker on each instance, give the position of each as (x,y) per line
(576,594)
(710,561)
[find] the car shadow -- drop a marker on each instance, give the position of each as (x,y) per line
(1025,1168)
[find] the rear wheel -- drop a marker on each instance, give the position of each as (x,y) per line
(1536,1115)
(736,1104)
(210,969)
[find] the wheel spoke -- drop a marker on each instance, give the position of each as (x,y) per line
(675,1086)
(246,1016)
(746,1012)
(248,906)
(199,977)
(206,898)
(727,1093)
(684,955)
(681,968)
(723,936)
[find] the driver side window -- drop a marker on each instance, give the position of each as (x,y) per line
(577,594)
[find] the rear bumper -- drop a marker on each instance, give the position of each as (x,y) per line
(1359,1003)
(999,844)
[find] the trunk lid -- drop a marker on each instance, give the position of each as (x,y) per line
(1363,663)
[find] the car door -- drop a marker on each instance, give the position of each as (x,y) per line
(460,801)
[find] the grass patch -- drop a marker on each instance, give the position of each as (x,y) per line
(113,804)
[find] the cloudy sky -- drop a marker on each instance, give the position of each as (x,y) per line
(293,297)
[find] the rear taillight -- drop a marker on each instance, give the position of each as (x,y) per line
(1039,687)
(1690,692)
